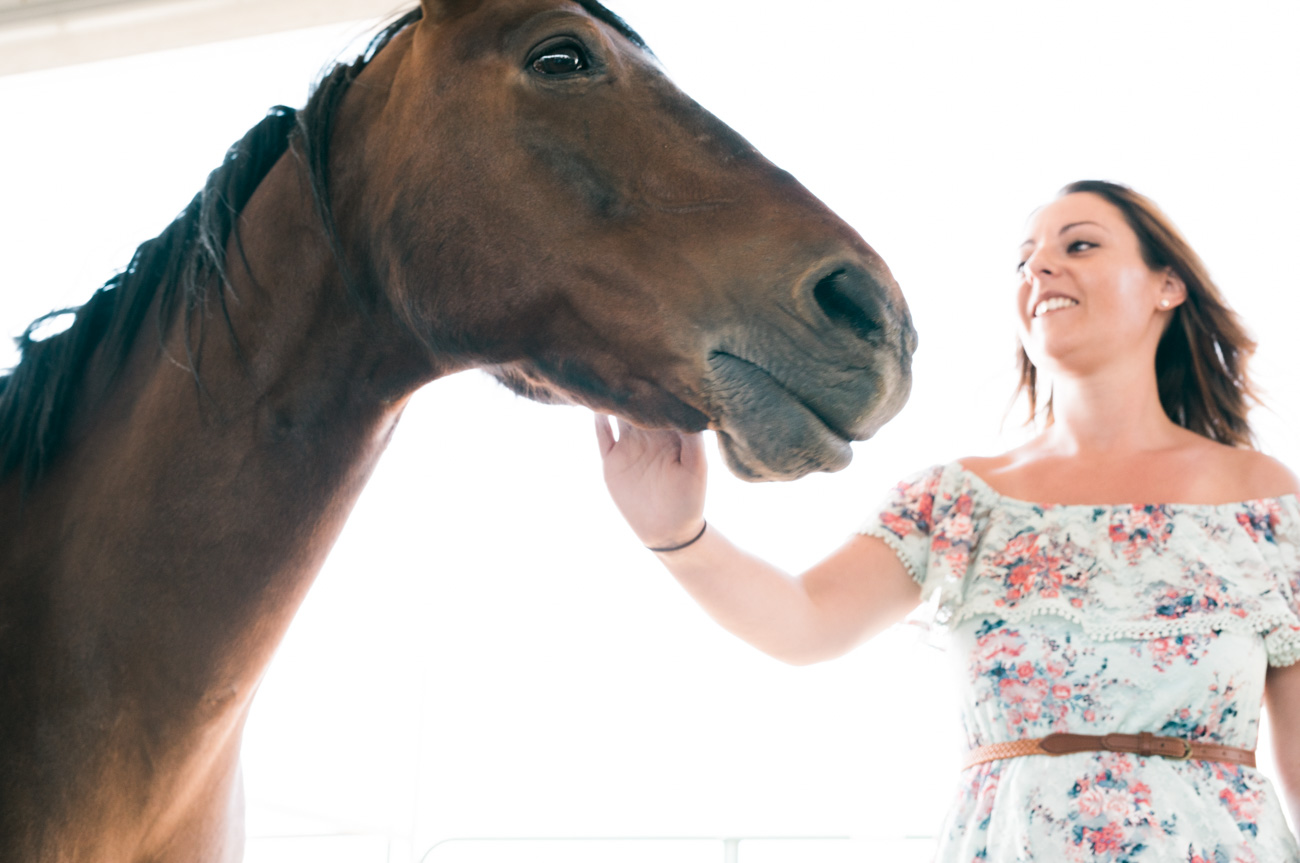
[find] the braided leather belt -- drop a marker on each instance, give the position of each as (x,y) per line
(1145,743)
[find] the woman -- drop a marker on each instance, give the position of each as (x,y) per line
(1152,628)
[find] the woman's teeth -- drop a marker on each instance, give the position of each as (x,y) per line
(1053,304)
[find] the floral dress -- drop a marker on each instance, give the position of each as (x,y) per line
(1099,619)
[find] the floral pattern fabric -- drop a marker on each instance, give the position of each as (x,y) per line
(1098,619)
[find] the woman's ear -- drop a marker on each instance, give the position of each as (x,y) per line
(1173,292)
(441,10)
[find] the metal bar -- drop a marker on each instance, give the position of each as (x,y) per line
(730,844)
(53,33)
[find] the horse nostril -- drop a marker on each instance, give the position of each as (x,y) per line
(846,300)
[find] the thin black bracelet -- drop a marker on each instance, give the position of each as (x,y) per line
(684,544)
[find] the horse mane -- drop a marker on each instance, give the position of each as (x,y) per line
(184,267)
(600,13)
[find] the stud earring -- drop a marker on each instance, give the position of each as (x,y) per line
(1164,304)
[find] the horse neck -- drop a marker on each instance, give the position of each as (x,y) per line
(186,521)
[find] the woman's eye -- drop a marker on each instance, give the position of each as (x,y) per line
(562,60)
(1075,246)
(1020,266)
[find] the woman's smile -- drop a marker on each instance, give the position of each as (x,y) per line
(1056,303)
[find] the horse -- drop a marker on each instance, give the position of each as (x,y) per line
(511,185)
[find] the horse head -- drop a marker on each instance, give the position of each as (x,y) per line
(558,212)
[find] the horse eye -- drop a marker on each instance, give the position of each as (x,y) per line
(563,60)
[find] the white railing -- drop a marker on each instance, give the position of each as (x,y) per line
(361,847)
(833,849)
(730,845)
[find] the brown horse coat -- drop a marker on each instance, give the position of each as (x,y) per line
(506,184)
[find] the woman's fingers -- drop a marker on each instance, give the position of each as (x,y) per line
(628,433)
(604,434)
(655,476)
(648,447)
(692,451)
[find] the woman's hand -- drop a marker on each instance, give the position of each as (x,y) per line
(657,479)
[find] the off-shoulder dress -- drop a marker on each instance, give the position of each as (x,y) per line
(1099,619)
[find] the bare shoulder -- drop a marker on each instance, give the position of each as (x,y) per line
(1195,470)
(987,466)
(1264,475)
(984,463)
(1247,474)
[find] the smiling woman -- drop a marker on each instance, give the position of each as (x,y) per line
(1138,518)
(487,652)
(1201,360)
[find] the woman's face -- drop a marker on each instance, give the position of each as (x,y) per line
(1086,298)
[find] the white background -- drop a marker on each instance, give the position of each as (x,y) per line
(489,652)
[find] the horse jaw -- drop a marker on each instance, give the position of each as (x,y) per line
(765,432)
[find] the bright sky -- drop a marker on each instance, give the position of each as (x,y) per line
(489,652)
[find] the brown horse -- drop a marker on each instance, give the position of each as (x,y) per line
(506,184)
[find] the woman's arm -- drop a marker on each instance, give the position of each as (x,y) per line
(657,479)
(855,593)
(1282,697)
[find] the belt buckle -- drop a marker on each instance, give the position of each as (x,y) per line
(1187,752)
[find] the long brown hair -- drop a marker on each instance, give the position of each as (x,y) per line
(1202,357)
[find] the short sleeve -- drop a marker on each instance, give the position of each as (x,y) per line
(1283,640)
(905,520)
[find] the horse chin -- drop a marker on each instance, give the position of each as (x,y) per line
(783,445)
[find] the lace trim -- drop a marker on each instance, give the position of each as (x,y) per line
(892,540)
(1282,641)
(1283,647)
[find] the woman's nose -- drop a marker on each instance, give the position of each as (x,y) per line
(1039,263)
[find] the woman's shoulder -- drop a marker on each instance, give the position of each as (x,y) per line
(1261,476)
(1201,471)
(1232,473)
(944,479)
(983,466)
(992,476)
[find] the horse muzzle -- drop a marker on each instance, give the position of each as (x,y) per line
(787,397)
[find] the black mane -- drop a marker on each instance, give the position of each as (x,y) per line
(600,13)
(184,267)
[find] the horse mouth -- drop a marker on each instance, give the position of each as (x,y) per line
(768,430)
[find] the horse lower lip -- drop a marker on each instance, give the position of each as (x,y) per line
(766,431)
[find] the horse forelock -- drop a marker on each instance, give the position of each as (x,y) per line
(181,268)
